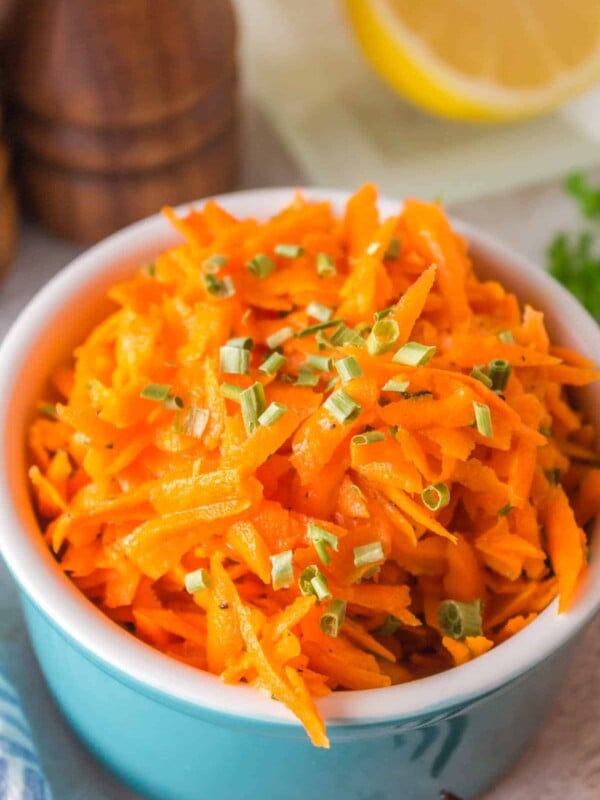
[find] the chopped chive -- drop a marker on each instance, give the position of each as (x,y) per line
(325,265)
(483,419)
(322,341)
(156,391)
(271,414)
(320,326)
(344,336)
(331,383)
(245,342)
(231,391)
(234,360)
(214,263)
(499,372)
(371,553)
(385,312)
(196,581)
(246,316)
(505,510)
(414,354)
(372,249)
(150,269)
(48,409)
(319,311)
(545,431)
(348,368)
(478,373)
(253,403)
(260,266)
(282,570)
(306,377)
(389,627)
(279,337)
(435,496)
(368,438)
(506,337)
(343,407)
(459,620)
(312,581)
(393,249)
(322,539)
(219,287)
(273,363)
(289,250)
(384,334)
(333,619)
(173,403)
(195,421)
(553,476)
(320,363)
(395,386)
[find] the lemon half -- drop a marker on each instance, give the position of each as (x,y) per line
(482,59)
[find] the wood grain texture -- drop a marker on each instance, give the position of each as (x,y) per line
(8,211)
(120,106)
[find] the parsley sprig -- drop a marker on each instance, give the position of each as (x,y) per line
(574,259)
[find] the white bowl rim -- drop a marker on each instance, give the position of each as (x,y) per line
(94,632)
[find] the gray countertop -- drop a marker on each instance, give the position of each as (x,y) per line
(564,762)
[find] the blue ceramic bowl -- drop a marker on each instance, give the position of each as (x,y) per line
(175,733)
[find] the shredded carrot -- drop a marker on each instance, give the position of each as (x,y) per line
(297,526)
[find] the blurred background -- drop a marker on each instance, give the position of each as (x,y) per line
(114,108)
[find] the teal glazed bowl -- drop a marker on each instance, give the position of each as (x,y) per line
(173,732)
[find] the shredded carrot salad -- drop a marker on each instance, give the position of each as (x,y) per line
(318,453)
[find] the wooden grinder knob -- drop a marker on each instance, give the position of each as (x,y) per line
(8,212)
(121,107)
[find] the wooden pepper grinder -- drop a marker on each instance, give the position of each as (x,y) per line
(8,211)
(120,107)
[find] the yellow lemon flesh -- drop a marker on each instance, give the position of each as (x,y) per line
(494,60)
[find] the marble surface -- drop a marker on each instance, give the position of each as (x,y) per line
(564,762)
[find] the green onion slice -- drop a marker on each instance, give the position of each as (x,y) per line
(506,337)
(320,363)
(231,391)
(312,581)
(367,438)
(348,368)
(332,383)
(366,554)
(414,354)
(234,360)
(271,414)
(273,363)
(505,510)
(319,311)
(156,391)
(344,336)
(479,374)
(260,266)
(279,337)
(325,265)
(385,312)
(332,620)
(393,249)
(459,620)
(483,419)
(214,263)
(319,326)
(173,403)
(289,250)
(219,288)
(253,403)
(48,410)
(245,342)
(395,386)
(306,377)
(384,335)
(282,570)
(197,581)
(343,407)
(322,539)
(195,421)
(389,627)
(499,372)
(435,496)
